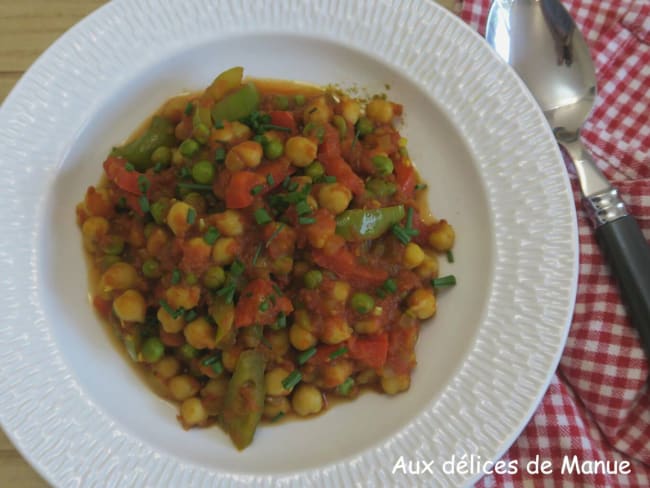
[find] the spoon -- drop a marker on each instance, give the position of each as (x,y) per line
(539,39)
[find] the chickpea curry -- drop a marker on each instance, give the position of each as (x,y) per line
(262,251)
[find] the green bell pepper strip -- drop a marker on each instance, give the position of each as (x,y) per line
(138,152)
(237,105)
(381,188)
(244,401)
(366,224)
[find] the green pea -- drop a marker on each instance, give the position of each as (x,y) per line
(313,279)
(382,164)
(273,149)
(152,350)
(299,99)
(201,133)
(151,268)
(162,155)
(113,246)
(315,170)
(203,172)
(189,147)
(365,126)
(188,352)
(281,102)
(362,302)
(341,125)
(214,277)
(381,188)
(108,261)
(159,210)
(191,279)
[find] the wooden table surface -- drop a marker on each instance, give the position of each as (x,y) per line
(27,28)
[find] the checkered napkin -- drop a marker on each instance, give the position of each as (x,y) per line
(598,406)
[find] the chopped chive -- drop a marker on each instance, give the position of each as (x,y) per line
(421,186)
(273,300)
(157,168)
(303,208)
(339,352)
(190,315)
(143,183)
(275,233)
(304,356)
(293,186)
(211,235)
(211,360)
(189,108)
(276,127)
(270,180)
(191,216)
(257,253)
(264,306)
(237,267)
(228,292)
(185,172)
(262,216)
(266,342)
(277,417)
(218,124)
(312,110)
(306,220)
(444,281)
(281,321)
(144,203)
(256,189)
(173,313)
(292,380)
(129,167)
(194,186)
(328,179)
(409,218)
(345,387)
(219,154)
(277,290)
(176,276)
(389,286)
(217,367)
(450,256)
(286,182)
(401,234)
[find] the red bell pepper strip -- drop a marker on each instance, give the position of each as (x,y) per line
(283,118)
(337,167)
(371,350)
(405,178)
(238,192)
(115,168)
(345,265)
(255,305)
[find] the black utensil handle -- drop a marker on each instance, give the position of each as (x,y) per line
(628,254)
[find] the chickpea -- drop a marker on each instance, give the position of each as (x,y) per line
(335,374)
(183,386)
(318,111)
(428,268)
(301,338)
(193,412)
(341,291)
(367,326)
(198,249)
(366,377)
(282,265)
(119,276)
(166,368)
(335,197)
(130,306)
(395,384)
(421,304)
(247,154)
(307,400)
(200,334)
(274,406)
(156,241)
(230,223)
(335,330)
(351,110)
(225,251)
(273,382)
(380,111)
(177,218)
(279,340)
(229,358)
(178,296)
(215,387)
(413,255)
(300,151)
(442,237)
(232,133)
(98,202)
(170,324)
(92,230)
(301,319)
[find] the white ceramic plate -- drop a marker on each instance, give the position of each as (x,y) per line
(70,402)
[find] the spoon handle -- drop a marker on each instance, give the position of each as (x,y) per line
(628,254)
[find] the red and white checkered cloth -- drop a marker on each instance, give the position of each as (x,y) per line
(598,406)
